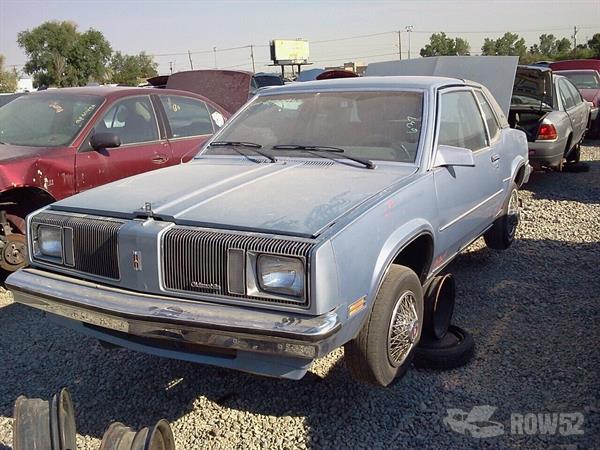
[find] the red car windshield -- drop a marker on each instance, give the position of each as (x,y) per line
(583,79)
(46,120)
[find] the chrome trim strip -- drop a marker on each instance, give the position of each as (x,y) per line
(463,215)
(171,318)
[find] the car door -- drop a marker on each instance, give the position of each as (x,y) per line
(468,197)
(134,120)
(190,123)
(576,109)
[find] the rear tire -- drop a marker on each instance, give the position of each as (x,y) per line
(502,233)
(575,156)
(383,350)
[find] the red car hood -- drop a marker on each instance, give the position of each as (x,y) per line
(12,153)
(228,88)
(591,95)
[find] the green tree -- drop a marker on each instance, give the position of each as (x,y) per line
(8,78)
(562,46)
(510,44)
(59,55)
(594,44)
(131,70)
(550,47)
(442,45)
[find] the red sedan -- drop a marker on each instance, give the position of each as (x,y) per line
(59,142)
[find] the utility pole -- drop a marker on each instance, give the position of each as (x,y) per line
(171,67)
(190,57)
(409,29)
(399,45)
(215,53)
(252,57)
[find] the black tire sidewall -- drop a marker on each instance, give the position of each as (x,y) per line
(398,281)
(446,357)
(499,237)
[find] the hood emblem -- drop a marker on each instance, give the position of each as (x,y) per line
(148,209)
(136,261)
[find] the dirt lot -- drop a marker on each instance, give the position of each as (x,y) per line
(534,311)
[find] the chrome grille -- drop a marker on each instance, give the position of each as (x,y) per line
(94,242)
(190,254)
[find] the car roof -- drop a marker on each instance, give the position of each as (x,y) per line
(575,64)
(366,83)
(112,92)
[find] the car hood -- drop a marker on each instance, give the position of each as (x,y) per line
(591,95)
(534,82)
(13,153)
(228,88)
(294,197)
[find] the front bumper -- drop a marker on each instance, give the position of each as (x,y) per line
(157,318)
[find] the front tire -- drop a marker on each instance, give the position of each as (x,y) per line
(384,347)
(502,233)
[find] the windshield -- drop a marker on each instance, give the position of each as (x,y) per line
(584,79)
(46,120)
(374,125)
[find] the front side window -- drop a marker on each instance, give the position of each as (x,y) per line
(382,126)
(132,119)
(574,92)
(46,119)
(187,117)
(489,116)
(461,124)
(566,95)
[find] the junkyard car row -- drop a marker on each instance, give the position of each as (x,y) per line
(311,220)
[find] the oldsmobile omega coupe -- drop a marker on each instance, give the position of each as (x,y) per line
(310,221)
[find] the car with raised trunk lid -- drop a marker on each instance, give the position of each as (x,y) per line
(310,221)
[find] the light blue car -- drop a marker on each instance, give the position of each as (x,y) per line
(310,221)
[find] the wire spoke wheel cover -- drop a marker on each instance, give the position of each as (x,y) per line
(403,330)
(514,212)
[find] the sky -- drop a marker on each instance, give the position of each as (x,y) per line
(338,31)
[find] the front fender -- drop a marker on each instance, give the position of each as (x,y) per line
(392,247)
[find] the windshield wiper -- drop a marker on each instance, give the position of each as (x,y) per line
(251,145)
(325,148)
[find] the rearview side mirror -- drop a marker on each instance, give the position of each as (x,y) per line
(447,156)
(101,141)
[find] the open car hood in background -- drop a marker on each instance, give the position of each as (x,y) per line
(535,82)
(228,88)
(497,73)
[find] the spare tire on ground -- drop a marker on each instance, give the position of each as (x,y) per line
(455,349)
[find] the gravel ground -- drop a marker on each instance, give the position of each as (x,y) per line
(533,310)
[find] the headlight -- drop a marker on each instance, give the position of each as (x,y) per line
(48,242)
(281,275)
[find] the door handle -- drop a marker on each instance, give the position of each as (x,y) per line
(495,158)
(160,159)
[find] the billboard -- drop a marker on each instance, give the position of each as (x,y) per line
(289,51)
